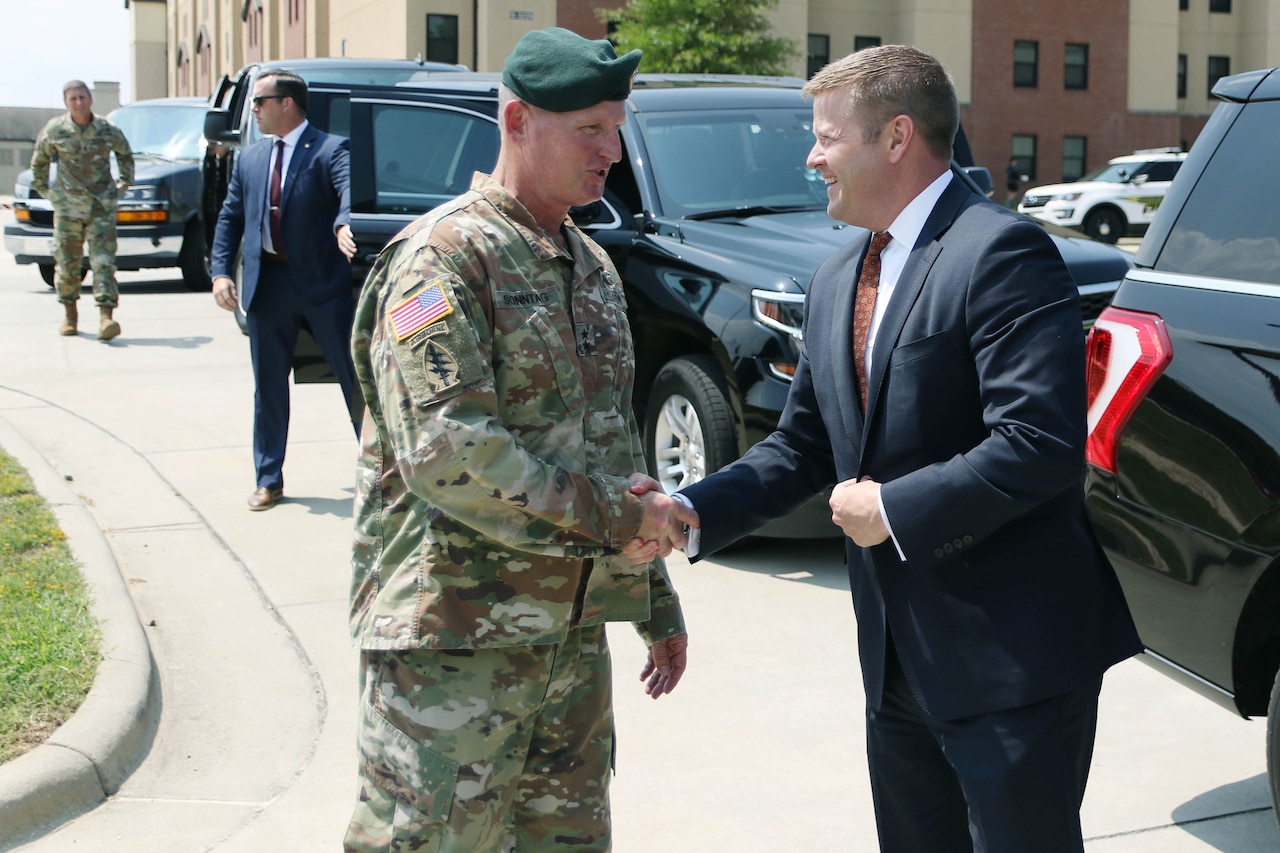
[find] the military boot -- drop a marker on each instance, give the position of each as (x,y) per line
(107,327)
(68,327)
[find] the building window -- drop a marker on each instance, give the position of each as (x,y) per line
(819,52)
(1023,150)
(1182,75)
(1183,5)
(1075,73)
(1074,150)
(860,42)
(1219,67)
(1026,63)
(1220,6)
(442,38)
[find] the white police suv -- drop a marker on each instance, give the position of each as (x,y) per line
(1118,200)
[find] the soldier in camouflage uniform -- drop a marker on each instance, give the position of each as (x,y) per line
(496,527)
(84,202)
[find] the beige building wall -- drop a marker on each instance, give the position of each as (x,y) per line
(1259,34)
(368,29)
(148,65)
(944,29)
(416,40)
(790,20)
(501,23)
(1153,56)
(229,47)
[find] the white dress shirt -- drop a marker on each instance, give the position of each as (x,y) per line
(290,144)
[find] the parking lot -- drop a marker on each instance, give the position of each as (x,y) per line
(760,748)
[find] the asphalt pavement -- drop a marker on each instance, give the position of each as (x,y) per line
(223,716)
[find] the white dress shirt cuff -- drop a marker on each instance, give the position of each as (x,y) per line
(884,516)
(692,536)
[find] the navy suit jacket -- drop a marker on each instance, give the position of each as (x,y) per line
(315,201)
(975,427)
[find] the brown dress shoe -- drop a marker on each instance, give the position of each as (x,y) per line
(264,498)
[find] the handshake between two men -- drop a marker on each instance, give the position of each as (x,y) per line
(666,523)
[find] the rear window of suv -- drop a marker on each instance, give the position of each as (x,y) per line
(1228,225)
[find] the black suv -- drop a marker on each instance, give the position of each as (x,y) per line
(711,217)
(158,218)
(1184,447)
(229,122)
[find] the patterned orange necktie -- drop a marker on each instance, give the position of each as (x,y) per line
(864,307)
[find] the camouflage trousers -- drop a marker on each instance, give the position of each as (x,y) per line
(503,750)
(69,237)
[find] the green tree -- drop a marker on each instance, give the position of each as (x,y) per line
(700,36)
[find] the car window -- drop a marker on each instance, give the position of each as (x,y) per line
(1229,225)
(423,157)
(1162,170)
(727,158)
(175,133)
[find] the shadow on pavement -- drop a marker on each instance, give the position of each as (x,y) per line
(1203,817)
(815,561)
(338,508)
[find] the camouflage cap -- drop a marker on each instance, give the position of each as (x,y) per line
(560,71)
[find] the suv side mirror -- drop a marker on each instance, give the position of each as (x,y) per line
(1140,179)
(217,126)
(981,176)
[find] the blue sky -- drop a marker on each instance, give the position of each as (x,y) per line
(48,42)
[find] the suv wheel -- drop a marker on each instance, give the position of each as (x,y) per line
(48,274)
(689,427)
(1106,224)
(195,272)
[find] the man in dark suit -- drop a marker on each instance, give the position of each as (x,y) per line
(288,209)
(987,612)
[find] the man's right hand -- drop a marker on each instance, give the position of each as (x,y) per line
(664,519)
(224,293)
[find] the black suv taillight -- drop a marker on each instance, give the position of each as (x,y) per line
(1125,354)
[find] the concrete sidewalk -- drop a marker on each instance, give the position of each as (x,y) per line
(241,736)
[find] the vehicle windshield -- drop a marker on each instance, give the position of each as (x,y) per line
(720,161)
(1113,173)
(175,133)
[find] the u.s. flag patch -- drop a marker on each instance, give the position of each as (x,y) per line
(420,310)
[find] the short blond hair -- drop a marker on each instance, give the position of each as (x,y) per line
(890,80)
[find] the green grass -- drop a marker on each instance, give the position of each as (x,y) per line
(49,641)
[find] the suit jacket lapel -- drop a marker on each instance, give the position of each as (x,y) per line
(841,351)
(907,291)
(302,155)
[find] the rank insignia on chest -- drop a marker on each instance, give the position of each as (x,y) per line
(420,310)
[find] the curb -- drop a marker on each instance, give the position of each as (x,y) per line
(88,757)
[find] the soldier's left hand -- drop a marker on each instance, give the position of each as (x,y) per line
(665,664)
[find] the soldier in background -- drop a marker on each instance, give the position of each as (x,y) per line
(495,529)
(84,202)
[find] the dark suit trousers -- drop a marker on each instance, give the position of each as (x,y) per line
(1007,782)
(273,319)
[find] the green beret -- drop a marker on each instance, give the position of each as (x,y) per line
(561,71)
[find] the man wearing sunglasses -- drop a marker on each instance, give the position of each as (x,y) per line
(288,211)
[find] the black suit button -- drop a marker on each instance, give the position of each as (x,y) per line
(948,548)
(959,543)
(937,552)
(968,540)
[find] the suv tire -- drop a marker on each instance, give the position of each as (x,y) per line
(689,426)
(48,273)
(1106,224)
(1273,746)
(195,271)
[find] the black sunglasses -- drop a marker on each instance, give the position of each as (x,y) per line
(258,99)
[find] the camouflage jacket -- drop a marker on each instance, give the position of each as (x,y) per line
(83,185)
(491,492)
